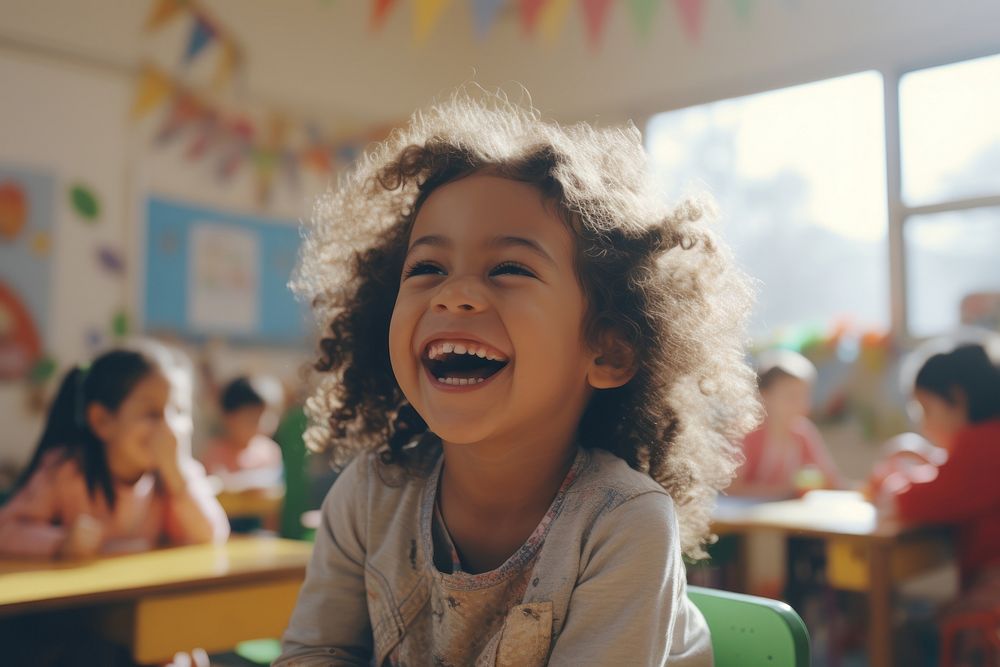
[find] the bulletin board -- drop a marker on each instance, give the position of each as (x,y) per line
(213,272)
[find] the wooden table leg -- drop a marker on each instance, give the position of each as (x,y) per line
(879,606)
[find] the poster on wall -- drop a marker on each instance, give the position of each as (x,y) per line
(27,202)
(212,272)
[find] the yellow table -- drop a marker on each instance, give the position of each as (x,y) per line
(169,600)
(865,553)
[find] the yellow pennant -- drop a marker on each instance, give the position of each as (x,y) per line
(153,87)
(553,19)
(229,58)
(425,14)
(163,12)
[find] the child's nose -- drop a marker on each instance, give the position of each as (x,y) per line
(460,294)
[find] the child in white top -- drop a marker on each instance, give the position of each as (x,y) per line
(537,369)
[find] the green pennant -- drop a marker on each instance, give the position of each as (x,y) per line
(642,12)
(742,8)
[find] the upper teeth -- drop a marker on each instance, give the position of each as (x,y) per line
(438,349)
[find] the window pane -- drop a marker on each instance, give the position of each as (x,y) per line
(949,257)
(799,175)
(949,131)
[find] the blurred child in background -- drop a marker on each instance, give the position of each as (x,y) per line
(957,390)
(245,456)
(112,471)
(786,454)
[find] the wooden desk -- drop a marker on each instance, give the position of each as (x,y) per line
(164,601)
(864,553)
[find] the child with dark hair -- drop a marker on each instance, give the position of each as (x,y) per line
(786,454)
(957,393)
(245,451)
(533,371)
(110,472)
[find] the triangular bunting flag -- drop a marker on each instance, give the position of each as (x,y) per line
(153,87)
(742,8)
(229,60)
(643,12)
(202,33)
(690,11)
(380,11)
(485,13)
(595,15)
(530,11)
(425,15)
(553,19)
(163,11)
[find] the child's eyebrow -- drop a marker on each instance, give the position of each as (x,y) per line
(521,242)
(438,241)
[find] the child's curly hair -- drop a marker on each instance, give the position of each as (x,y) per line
(657,278)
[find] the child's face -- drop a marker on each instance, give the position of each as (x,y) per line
(786,399)
(244,423)
(490,273)
(129,431)
(940,420)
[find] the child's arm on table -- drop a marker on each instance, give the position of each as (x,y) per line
(28,527)
(624,607)
(330,624)
(193,514)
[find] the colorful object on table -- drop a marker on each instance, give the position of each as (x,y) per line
(20,344)
(111,260)
(13,210)
(84,202)
(120,324)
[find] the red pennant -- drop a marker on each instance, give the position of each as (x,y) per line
(595,14)
(380,11)
(690,11)
(530,11)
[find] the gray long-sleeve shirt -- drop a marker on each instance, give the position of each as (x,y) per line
(599,582)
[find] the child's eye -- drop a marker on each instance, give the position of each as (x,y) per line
(512,268)
(423,269)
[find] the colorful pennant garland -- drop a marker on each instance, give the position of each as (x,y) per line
(231,140)
(548,16)
(205,31)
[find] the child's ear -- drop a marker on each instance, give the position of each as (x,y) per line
(613,363)
(101,421)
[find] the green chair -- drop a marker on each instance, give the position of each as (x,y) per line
(748,631)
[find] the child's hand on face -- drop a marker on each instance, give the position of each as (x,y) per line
(84,539)
(166,457)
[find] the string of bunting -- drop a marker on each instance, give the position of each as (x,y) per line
(205,31)
(232,139)
(546,17)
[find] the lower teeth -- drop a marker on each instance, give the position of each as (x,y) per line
(460,381)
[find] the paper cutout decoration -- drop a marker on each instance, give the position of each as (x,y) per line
(162,13)
(202,35)
(742,8)
(485,14)
(530,12)
(425,15)
(13,210)
(690,12)
(154,86)
(110,260)
(595,15)
(120,324)
(84,202)
(43,370)
(380,11)
(553,18)
(41,244)
(643,12)
(20,345)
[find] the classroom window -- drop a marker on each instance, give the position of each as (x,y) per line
(953,263)
(799,175)
(950,167)
(949,134)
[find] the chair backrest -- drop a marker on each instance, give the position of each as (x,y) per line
(748,631)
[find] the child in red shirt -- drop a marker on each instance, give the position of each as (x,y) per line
(958,392)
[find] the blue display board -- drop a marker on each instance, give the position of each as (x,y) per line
(216,273)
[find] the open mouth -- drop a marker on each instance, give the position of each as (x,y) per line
(463,362)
